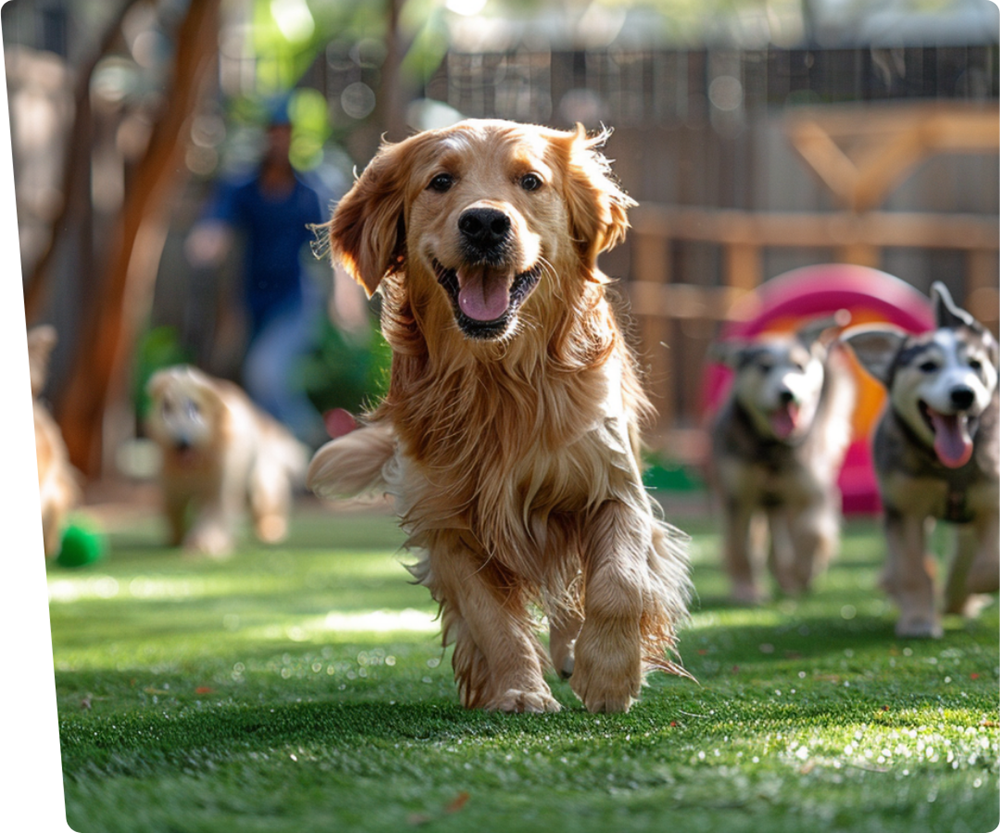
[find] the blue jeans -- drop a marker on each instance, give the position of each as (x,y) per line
(271,365)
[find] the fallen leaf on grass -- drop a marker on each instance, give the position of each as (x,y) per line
(453,806)
(457,803)
(203,689)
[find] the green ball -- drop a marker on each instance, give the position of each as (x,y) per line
(81,546)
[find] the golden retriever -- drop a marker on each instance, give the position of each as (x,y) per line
(58,481)
(509,434)
(219,453)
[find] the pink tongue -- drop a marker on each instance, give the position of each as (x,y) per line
(951,438)
(483,294)
(783,421)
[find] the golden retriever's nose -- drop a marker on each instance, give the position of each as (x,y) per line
(484,229)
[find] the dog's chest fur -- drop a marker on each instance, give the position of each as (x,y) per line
(914,481)
(509,455)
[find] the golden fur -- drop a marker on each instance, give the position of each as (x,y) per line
(219,453)
(58,481)
(511,448)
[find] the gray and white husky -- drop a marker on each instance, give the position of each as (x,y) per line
(778,442)
(937,456)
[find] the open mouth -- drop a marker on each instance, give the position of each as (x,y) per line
(484,298)
(952,435)
(784,420)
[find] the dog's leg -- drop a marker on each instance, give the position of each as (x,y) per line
(270,495)
(984,575)
(212,532)
(497,659)
(910,575)
(737,548)
(815,533)
(607,673)
(564,628)
(957,598)
(781,550)
(976,568)
(175,505)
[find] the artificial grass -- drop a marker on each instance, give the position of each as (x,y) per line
(302,688)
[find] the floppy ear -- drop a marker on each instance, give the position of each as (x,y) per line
(158,382)
(876,348)
(598,207)
(41,340)
(367,231)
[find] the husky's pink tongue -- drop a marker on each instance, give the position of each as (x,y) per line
(783,421)
(951,438)
(483,293)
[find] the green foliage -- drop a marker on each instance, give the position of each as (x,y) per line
(158,347)
(302,688)
(347,373)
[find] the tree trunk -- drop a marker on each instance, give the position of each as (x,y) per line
(100,372)
(76,169)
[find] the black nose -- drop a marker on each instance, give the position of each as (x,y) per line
(962,398)
(182,443)
(484,228)
(786,397)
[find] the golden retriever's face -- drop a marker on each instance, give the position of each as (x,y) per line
(183,412)
(486,221)
(486,214)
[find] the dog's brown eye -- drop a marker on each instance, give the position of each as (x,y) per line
(975,364)
(531,182)
(441,183)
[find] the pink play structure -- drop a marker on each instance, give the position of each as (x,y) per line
(786,302)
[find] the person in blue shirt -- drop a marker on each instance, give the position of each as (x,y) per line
(274,211)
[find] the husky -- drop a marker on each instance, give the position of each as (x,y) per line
(778,442)
(937,457)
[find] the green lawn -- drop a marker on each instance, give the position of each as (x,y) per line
(303,689)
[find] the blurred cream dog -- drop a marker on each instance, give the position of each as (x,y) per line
(219,450)
(58,481)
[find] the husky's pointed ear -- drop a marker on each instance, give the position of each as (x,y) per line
(823,331)
(876,348)
(367,232)
(947,313)
(730,353)
(597,206)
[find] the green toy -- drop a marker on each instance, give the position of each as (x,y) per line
(81,546)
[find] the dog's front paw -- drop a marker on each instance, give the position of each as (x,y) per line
(212,542)
(271,529)
(918,627)
(608,680)
(515,700)
(608,696)
(746,593)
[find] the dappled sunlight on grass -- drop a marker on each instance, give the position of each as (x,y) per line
(303,688)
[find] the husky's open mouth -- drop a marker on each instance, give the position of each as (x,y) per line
(784,420)
(952,435)
(485,298)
